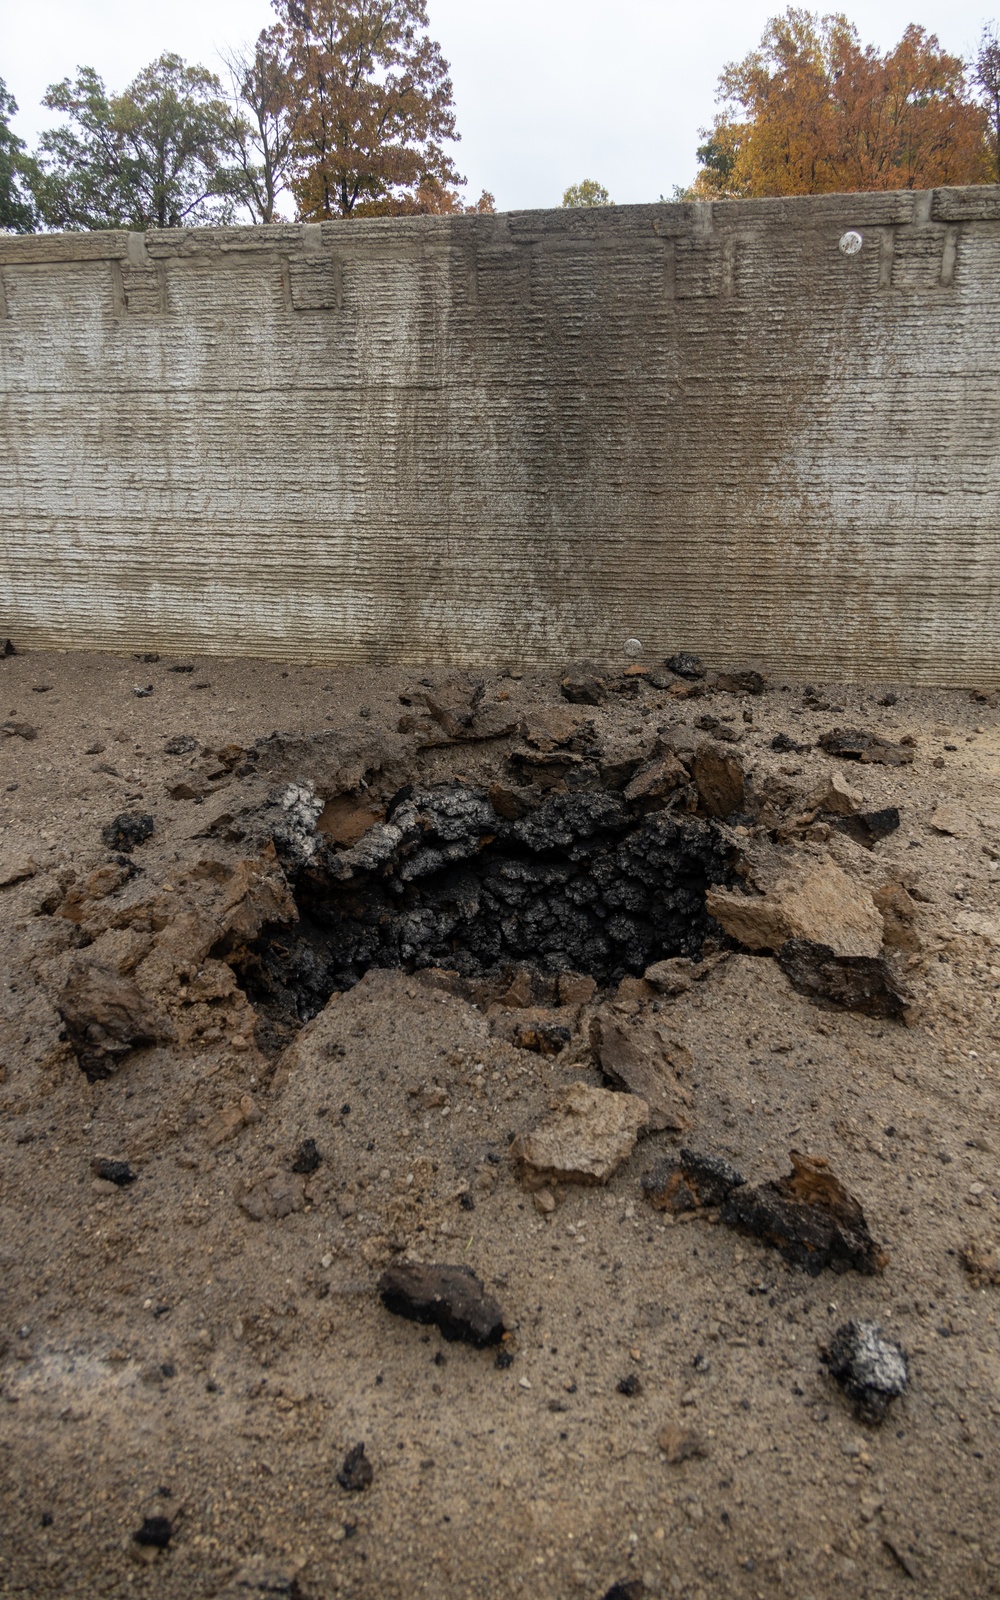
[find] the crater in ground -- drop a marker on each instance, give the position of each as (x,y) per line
(578,883)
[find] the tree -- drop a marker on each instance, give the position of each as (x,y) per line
(812,111)
(259,126)
(153,157)
(986,76)
(17,212)
(587,193)
(371,108)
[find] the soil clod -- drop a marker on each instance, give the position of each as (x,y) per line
(127,830)
(117,1172)
(106,1016)
(451,1297)
(691,1182)
(857,983)
(307,1157)
(356,1472)
(855,744)
(871,1369)
(155,1533)
(809,1216)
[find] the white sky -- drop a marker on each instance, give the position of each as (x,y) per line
(547,91)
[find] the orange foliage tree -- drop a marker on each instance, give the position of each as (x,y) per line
(813,111)
(370,107)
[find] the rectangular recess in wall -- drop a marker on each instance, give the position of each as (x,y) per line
(704,269)
(923,259)
(314,283)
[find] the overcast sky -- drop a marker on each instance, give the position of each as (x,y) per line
(548,91)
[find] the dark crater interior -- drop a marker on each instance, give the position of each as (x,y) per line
(578,883)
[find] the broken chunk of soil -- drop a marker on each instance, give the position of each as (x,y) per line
(452,1298)
(854,744)
(809,1216)
(981,1260)
(632,1056)
(868,827)
(856,983)
(544,1038)
(871,1370)
(690,1182)
(719,779)
(356,1472)
(585,1140)
(106,1016)
(817,903)
(127,830)
(582,689)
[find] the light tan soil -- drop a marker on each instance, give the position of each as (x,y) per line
(164,1353)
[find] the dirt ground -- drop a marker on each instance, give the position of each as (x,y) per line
(205,1344)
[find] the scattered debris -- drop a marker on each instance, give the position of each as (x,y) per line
(182,743)
(127,830)
(857,983)
(117,1172)
(451,1297)
(819,904)
(631,1056)
(786,745)
(690,1182)
(871,1369)
(106,1016)
(356,1472)
(680,1444)
(854,744)
(586,1139)
(156,1532)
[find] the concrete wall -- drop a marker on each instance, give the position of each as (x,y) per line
(524,436)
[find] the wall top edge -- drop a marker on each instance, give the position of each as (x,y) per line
(979,203)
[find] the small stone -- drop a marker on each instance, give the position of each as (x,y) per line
(854,744)
(583,689)
(18,730)
(182,743)
(809,1216)
(630,1385)
(545,1202)
(871,1369)
(632,1056)
(857,983)
(144,692)
(953,820)
(356,1472)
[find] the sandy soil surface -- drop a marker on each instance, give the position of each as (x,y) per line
(206,1343)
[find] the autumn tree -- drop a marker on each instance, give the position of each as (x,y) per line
(986,76)
(17,211)
(152,157)
(813,111)
(371,109)
(587,193)
(259,125)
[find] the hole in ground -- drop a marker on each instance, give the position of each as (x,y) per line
(579,884)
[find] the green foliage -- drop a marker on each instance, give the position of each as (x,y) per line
(17,171)
(152,157)
(587,193)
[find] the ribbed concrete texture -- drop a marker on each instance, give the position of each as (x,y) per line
(524,437)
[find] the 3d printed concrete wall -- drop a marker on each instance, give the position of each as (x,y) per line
(757,430)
